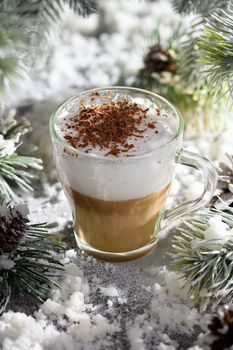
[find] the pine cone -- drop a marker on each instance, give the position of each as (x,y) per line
(159,60)
(225,172)
(13,227)
(221,329)
(225,184)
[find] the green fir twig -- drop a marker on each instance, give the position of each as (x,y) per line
(15,169)
(25,33)
(206,265)
(34,266)
(202,7)
(216,51)
(14,174)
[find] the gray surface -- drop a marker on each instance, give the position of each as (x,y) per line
(130,278)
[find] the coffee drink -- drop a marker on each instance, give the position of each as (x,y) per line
(118,180)
(117,226)
(116,149)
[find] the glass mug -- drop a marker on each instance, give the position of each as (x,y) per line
(118,202)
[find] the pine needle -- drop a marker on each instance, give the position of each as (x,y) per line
(205,265)
(26,24)
(15,170)
(216,50)
(35,266)
(203,7)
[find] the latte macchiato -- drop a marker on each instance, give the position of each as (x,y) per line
(116,150)
(118,182)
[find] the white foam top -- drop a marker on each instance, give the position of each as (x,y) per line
(152,138)
(121,178)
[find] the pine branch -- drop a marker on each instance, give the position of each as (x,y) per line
(83,7)
(52,9)
(188,53)
(10,70)
(216,51)
(206,265)
(5,292)
(15,169)
(203,7)
(170,69)
(207,47)
(27,263)
(14,174)
(12,35)
(25,32)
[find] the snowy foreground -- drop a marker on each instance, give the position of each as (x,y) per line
(136,305)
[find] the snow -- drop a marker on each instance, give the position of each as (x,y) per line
(218,229)
(68,320)
(67,307)
(8,147)
(135,338)
(6,263)
(22,209)
(109,292)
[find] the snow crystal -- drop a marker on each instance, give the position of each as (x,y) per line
(135,338)
(169,312)
(81,331)
(122,300)
(6,263)
(110,303)
(218,229)
(52,307)
(109,291)
(7,146)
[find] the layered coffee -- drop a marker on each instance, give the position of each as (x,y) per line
(115,172)
(117,226)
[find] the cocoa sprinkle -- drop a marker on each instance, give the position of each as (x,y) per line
(151,125)
(107,126)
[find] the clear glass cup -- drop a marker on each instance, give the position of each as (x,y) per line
(118,202)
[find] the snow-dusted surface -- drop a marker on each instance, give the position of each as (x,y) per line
(138,305)
(135,305)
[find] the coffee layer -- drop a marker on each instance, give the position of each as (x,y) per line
(116,226)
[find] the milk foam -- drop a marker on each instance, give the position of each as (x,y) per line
(122,178)
(152,138)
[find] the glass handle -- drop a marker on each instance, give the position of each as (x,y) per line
(209,175)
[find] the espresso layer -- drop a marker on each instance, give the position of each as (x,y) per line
(117,226)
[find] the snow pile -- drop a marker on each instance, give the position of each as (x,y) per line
(171,312)
(69,320)
(64,321)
